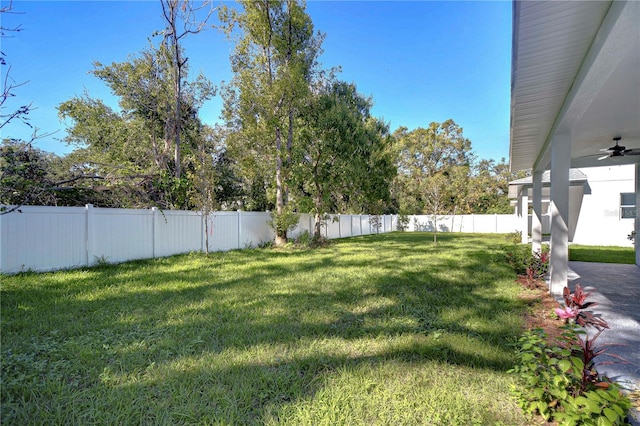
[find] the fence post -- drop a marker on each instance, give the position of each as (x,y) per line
(202,231)
(90,236)
(239,228)
(154,231)
(496,222)
(339,226)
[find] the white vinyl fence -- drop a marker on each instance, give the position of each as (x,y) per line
(48,238)
(472,223)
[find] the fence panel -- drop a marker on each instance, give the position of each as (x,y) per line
(47,238)
(43,238)
(117,235)
(355,226)
(490,223)
(176,232)
(254,229)
(332,230)
(223,231)
(305,223)
(506,223)
(365,227)
(485,223)
(421,223)
(345,225)
(466,223)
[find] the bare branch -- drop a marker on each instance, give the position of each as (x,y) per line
(9,85)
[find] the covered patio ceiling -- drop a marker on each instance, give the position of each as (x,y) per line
(575,70)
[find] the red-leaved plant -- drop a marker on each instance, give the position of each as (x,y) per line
(575,305)
(538,264)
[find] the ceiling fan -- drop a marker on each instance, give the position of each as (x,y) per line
(618,151)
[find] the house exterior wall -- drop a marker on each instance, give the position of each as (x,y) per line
(599,221)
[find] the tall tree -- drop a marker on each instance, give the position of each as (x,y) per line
(489,187)
(129,148)
(273,64)
(181,18)
(333,133)
(423,153)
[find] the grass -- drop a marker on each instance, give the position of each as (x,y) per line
(387,329)
(602,254)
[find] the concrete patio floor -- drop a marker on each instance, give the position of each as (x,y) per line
(617,292)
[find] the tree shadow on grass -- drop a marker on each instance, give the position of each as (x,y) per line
(232,344)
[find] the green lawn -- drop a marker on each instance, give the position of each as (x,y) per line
(602,254)
(386,329)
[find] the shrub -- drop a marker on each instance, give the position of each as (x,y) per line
(514,237)
(533,265)
(305,239)
(284,222)
(537,264)
(559,381)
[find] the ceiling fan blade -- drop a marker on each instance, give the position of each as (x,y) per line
(634,151)
(604,157)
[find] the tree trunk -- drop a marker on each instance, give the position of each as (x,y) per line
(317,227)
(177,125)
(206,233)
(435,229)
(281,235)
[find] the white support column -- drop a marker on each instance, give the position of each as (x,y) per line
(523,213)
(637,214)
(560,164)
(536,217)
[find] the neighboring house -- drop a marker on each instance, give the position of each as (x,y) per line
(602,205)
(575,88)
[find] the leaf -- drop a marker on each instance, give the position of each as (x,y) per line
(577,363)
(603,421)
(592,405)
(565,365)
(610,414)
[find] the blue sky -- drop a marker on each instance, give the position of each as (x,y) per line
(421,61)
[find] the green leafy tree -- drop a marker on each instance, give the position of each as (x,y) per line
(489,187)
(25,176)
(338,153)
(130,149)
(273,63)
(424,153)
